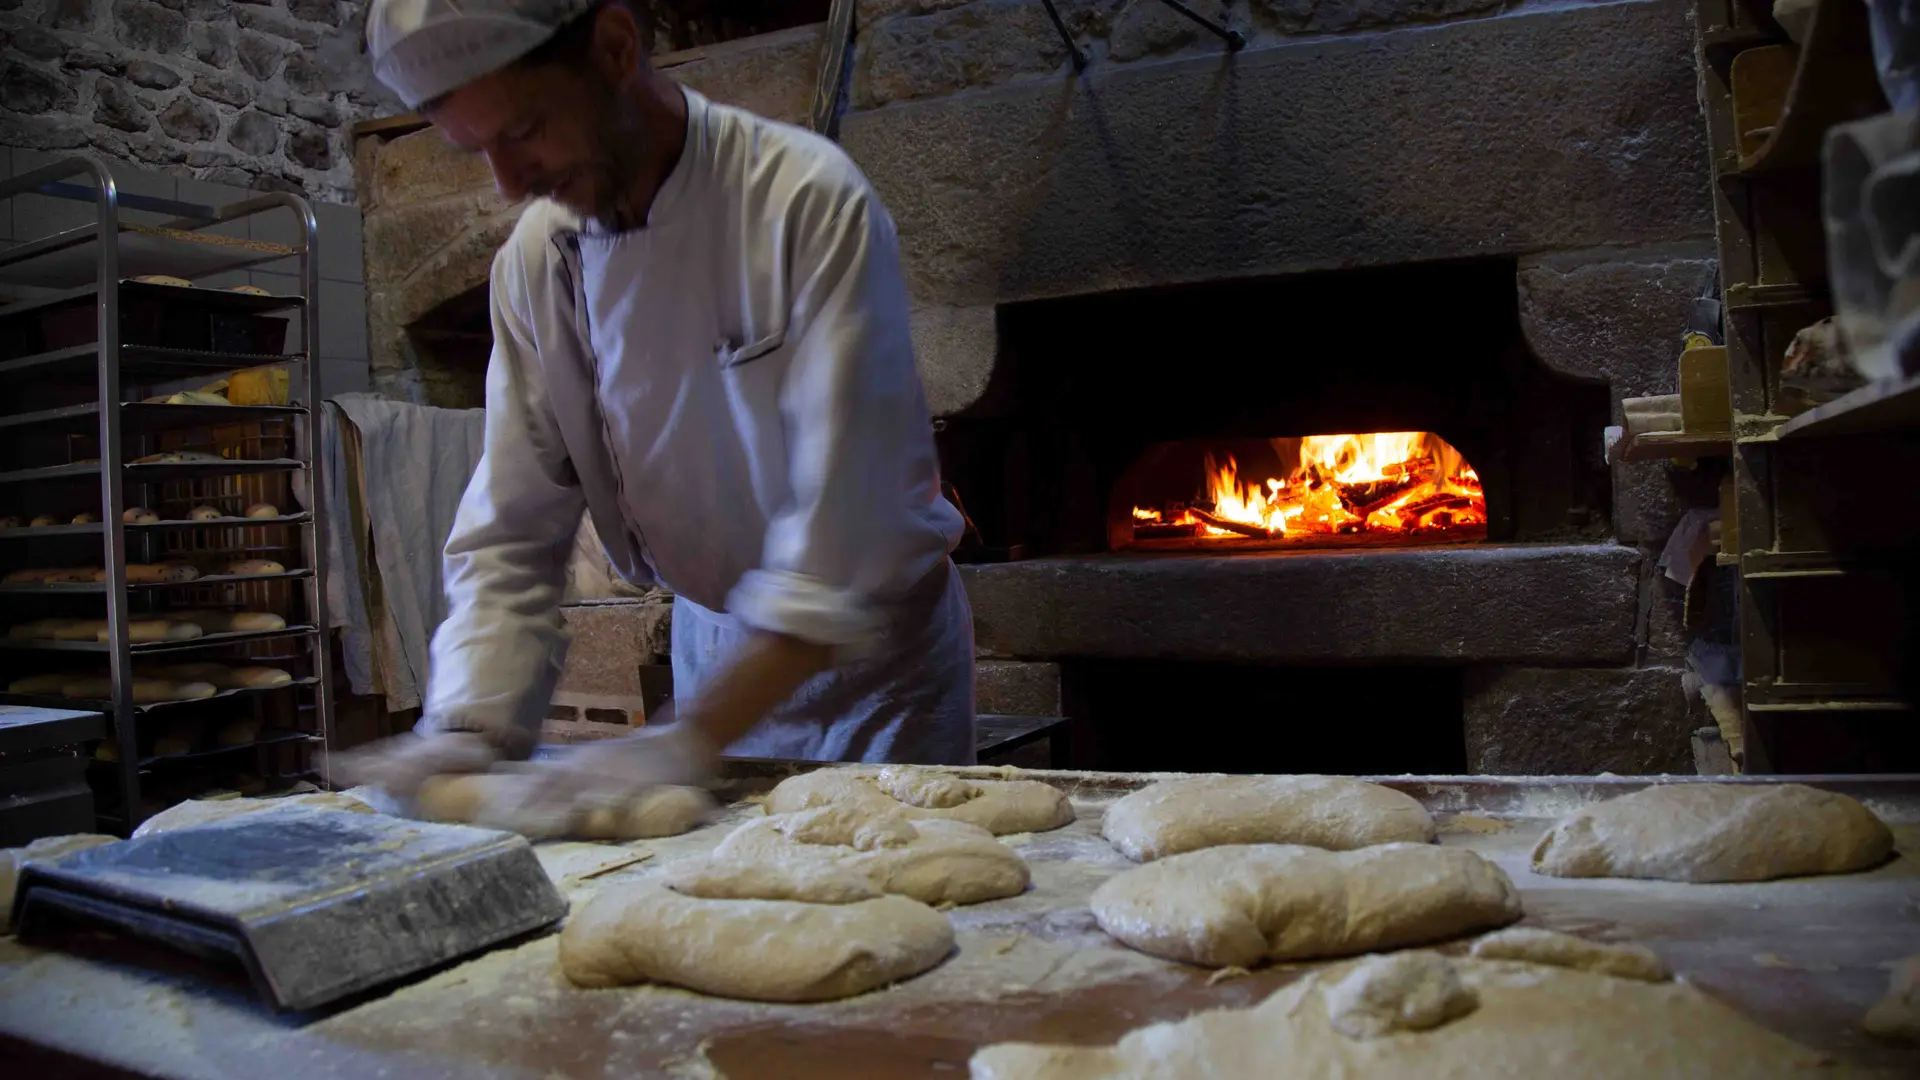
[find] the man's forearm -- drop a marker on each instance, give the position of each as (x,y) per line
(764,673)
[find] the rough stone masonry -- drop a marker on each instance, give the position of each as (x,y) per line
(252,93)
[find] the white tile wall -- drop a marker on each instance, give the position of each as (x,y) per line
(343,296)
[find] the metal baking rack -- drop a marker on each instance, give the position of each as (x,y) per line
(67,417)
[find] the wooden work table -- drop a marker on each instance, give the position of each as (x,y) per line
(1805,958)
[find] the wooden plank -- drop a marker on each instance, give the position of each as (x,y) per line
(1891,405)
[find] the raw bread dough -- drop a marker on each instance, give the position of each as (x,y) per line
(1564,950)
(486,798)
(203,513)
(932,860)
(777,931)
(1332,812)
(1532,1022)
(263,510)
(1897,1016)
(45,849)
(205,811)
(1238,905)
(1716,832)
(1415,990)
(998,806)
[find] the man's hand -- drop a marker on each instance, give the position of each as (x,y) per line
(401,764)
(604,775)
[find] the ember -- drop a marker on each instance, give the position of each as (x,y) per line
(1407,484)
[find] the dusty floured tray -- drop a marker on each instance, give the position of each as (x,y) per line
(314,904)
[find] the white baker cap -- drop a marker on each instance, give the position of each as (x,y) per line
(424,48)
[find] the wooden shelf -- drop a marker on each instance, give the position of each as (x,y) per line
(1664,445)
(1831,82)
(1755,297)
(1803,565)
(1893,405)
(1783,697)
(1844,705)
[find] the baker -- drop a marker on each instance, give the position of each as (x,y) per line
(700,339)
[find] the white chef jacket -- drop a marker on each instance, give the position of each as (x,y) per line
(730,390)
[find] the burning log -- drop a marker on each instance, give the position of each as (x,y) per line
(1227,525)
(1420,466)
(1364,498)
(1154,530)
(1411,513)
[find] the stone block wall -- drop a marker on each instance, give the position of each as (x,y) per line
(247,93)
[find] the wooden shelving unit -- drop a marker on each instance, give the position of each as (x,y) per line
(81,348)
(1822,575)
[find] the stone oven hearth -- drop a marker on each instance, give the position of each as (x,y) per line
(1181,251)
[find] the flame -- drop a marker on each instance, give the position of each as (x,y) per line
(1391,481)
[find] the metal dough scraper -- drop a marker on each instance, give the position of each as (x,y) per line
(314,904)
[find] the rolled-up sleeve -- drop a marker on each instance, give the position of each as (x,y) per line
(867,520)
(497,656)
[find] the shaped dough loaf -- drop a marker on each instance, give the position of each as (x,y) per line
(489,798)
(1240,905)
(1713,831)
(777,931)
(999,806)
(932,860)
(1331,812)
(1525,1022)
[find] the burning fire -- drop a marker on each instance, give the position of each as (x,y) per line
(1405,482)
